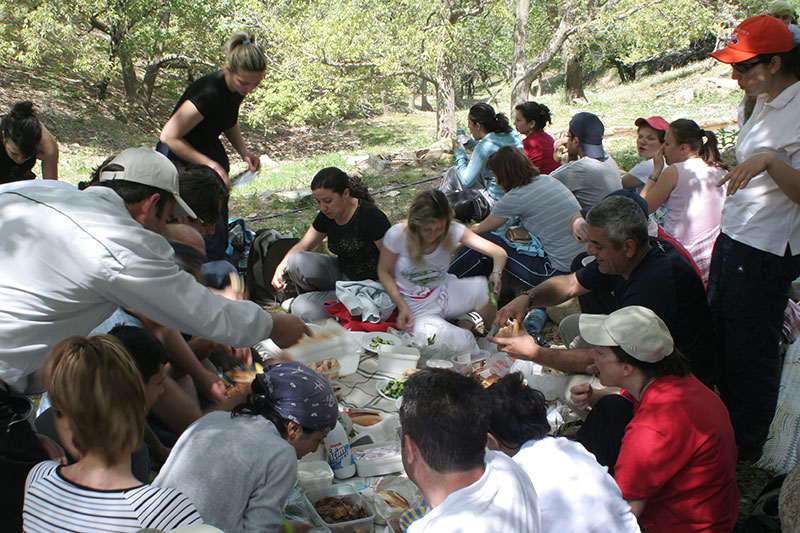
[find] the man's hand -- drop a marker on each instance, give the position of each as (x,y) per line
(522,346)
(52,449)
(517,309)
(277,279)
(287,329)
(211,387)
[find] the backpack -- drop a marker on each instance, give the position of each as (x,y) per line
(240,239)
(266,251)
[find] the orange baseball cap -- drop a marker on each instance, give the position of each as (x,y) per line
(755,36)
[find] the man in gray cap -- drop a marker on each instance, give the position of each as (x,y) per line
(591,173)
(69,258)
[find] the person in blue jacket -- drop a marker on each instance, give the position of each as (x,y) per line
(490,132)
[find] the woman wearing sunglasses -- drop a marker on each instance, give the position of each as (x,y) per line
(757,255)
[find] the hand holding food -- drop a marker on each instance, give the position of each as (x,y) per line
(511,329)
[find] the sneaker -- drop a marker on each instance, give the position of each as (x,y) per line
(286,305)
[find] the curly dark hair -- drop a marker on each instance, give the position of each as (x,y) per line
(519,413)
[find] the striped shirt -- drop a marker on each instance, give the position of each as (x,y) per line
(54,504)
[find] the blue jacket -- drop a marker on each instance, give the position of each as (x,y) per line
(470,169)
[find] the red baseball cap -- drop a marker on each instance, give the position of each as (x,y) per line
(657,123)
(755,36)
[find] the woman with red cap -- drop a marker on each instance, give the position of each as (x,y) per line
(650,136)
(757,254)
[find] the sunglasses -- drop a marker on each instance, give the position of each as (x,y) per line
(744,67)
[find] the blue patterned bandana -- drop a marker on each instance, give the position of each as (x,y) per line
(301,395)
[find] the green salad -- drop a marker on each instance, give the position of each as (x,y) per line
(377,341)
(394,389)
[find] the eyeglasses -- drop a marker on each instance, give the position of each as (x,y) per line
(744,67)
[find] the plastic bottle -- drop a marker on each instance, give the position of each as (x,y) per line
(461,137)
(535,320)
(339,456)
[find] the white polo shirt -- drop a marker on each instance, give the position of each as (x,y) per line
(761,215)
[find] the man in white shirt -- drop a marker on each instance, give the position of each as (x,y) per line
(445,418)
(70,258)
(591,173)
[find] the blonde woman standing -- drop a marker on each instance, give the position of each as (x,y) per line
(210,107)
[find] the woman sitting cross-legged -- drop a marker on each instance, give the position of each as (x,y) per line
(413,270)
(98,396)
(240,467)
(544,207)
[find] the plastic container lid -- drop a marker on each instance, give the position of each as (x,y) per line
(378,459)
(314,474)
(439,363)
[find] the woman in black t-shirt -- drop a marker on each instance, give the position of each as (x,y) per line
(208,108)
(25,140)
(354,227)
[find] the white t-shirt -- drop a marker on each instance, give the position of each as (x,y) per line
(694,207)
(419,281)
(503,499)
(761,215)
(575,492)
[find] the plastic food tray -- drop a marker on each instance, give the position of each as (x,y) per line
(362,525)
(394,360)
(389,459)
(317,481)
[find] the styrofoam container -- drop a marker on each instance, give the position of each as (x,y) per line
(383,431)
(314,474)
(336,343)
(378,459)
(394,360)
(347,491)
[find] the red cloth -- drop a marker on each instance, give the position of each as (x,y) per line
(348,321)
(679,454)
(538,146)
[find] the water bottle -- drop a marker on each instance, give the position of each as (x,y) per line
(535,320)
(339,456)
(461,137)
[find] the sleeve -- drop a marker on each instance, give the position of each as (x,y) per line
(532,148)
(642,170)
(470,170)
(144,281)
(456,231)
(565,175)
(264,511)
(321,223)
(648,459)
(393,239)
(592,279)
(203,98)
(377,223)
(508,206)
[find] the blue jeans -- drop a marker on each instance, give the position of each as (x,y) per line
(528,269)
(747,293)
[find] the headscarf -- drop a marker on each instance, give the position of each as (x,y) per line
(301,395)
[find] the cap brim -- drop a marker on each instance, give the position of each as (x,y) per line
(593,330)
(182,209)
(731,55)
(594,151)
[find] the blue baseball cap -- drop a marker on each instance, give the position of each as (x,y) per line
(628,193)
(589,130)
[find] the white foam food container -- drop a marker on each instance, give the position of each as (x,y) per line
(333,341)
(383,431)
(394,360)
(365,525)
(314,474)
(378,459)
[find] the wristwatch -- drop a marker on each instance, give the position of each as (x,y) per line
(653,178)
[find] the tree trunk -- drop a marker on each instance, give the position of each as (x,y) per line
(445,97)
(424,104)
(573,73)
(627,73)
(154,65)
(520,92)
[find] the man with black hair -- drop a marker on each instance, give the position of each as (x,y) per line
(445,418)
(591,173)
(639,270)
(574,491)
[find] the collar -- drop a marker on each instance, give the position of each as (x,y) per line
(785,97)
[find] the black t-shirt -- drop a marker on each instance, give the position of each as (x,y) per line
(218,105)
(354,242)
(665,283)
(11,171)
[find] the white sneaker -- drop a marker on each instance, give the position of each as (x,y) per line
(286,305)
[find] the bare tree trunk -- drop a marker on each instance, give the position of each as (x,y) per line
(153,67)
(573,72)
(445,97)
(424,104)
(520,92)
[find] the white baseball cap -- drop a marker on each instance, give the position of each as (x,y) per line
(148,167)
(636,329)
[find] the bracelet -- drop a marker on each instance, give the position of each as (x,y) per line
(499,272)
(652,178)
